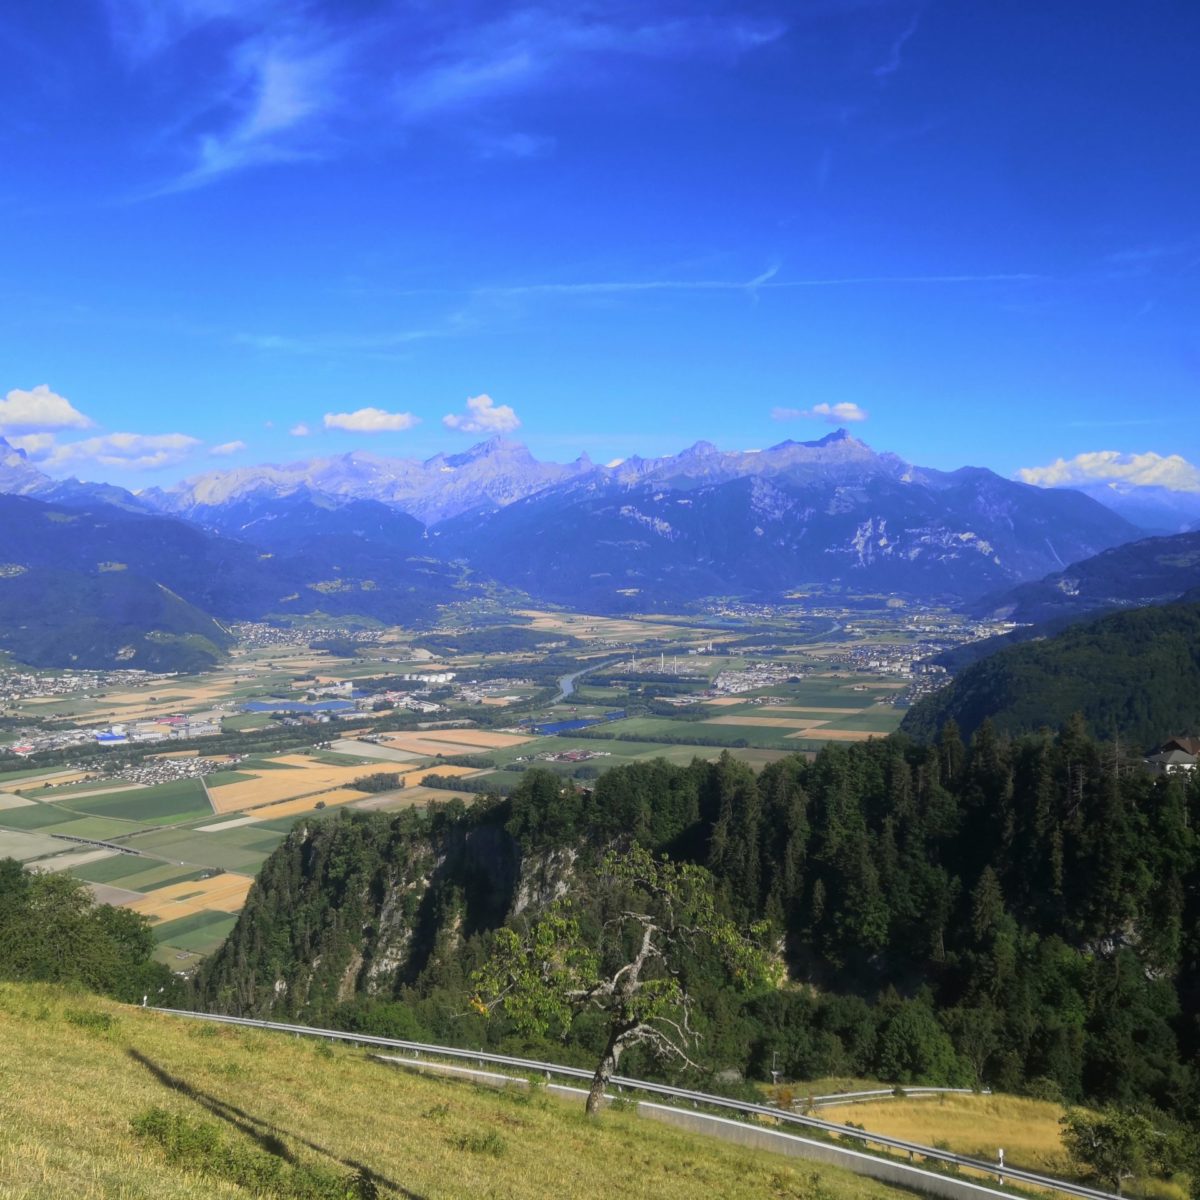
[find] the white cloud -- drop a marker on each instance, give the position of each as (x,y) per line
(227,448)
(127,451)
(370,420)
(835,414)
(36,445)
(483,415)
(300,430)
(1170,471)
(40,409)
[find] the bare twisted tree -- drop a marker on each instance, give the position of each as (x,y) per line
(664,913)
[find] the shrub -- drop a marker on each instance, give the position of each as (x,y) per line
(483,1142)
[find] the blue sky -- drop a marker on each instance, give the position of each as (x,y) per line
(613,226)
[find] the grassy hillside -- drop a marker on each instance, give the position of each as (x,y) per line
(80,1077)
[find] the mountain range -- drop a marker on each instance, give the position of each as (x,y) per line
(395,538)
(1148,571)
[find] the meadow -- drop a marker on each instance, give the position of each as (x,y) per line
(85,1083)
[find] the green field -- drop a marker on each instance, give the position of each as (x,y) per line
(25,846)
(34,816)
(240,849)
(201,933)
(101,828)
(165,803)
(134,872)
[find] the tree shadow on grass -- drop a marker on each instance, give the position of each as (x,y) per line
(262,1132)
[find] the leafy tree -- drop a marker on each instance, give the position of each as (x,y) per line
(51,930)
(1115,1144)
(914,1048)
(662,914)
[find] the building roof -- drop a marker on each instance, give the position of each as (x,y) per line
(1173,758)
(1189,745)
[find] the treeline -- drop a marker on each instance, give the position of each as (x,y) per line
(1134,676)
(52,931)
(500,639)
(1021,914)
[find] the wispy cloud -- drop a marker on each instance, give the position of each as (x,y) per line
(226,448)
(142,29)
(535,47)
(845,412)
(288,88)
(895,56)
(286,85)
(124,451)
(337,343)
(767,281)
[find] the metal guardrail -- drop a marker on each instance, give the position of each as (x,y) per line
(902,1093)
(1005,1173)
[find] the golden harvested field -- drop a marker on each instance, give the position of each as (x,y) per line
(294,808)
(224,893)
(726,701)
(307,778)
(449,741)
(764,722)
(54,778)
(474,737)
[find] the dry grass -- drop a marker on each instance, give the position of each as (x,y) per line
(69,1089)
(54,778)
(978,1126)
(222,893)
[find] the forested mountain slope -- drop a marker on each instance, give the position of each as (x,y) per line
(1006,913)
(1133,675)
(1149,571)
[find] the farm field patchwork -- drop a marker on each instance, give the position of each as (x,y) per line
(221,893)
(305,778)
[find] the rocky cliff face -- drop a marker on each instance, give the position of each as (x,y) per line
(361,908)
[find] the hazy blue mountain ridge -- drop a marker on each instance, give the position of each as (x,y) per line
(1146,571)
